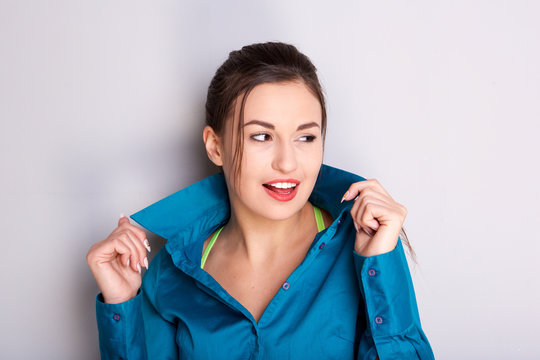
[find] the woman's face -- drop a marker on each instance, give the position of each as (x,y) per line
(283,150)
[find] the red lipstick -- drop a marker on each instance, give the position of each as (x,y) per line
(284,192)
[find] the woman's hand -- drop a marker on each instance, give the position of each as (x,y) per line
(116,262)
(377,217)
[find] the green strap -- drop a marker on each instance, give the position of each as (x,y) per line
(318,218)
(209,246)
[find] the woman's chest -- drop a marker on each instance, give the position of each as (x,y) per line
(252,287)
(314,316)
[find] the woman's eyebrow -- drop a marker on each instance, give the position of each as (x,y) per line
(270,126)
(307,126)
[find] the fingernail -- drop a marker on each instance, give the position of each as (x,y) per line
(139,267)
(146,263)
(127,264)
(368,231)
(356,226)
(147,245)
(122,215)
(344,196)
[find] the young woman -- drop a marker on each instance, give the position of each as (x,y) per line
(277,256)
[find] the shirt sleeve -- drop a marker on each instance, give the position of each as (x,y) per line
(393,329)
(121,329)
(134,329)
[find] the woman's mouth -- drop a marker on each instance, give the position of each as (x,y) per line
(282,190)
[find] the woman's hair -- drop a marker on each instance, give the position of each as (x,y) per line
(255,64)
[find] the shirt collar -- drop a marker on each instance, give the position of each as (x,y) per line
(197,210)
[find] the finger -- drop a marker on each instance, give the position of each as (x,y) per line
(368,231)
(366,195)
(124,259)
(356,219)
(140,234)
(364,219)
(123,250)
(123,219)
(133,255)
(141,250)
(356,187)
(371,193)
(372,214)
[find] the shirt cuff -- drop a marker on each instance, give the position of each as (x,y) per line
(386,285)
(119,326)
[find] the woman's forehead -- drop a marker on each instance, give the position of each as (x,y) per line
(281,103)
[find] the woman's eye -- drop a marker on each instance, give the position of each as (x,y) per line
(260,137)
(307,138)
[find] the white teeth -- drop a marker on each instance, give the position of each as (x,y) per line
(283,185)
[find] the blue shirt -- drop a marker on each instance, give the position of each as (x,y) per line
(336,304)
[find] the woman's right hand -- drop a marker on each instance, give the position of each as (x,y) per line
(116,262)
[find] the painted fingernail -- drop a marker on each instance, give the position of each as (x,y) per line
(146,263)
(139,267)
(344,196)
(147,245)
(368,231)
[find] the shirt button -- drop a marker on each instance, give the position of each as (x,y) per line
(340,220)
(321,246)
(286,286)
(371,272)
(378,320)
(116,317)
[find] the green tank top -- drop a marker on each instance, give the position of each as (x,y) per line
(318,219)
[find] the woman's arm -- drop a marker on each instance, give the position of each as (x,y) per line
(393,328)
(135,329)
(392,322)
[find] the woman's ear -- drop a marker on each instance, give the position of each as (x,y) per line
(212,142)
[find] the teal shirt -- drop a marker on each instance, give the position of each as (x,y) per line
(336,304)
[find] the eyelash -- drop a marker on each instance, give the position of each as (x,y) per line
(310,138)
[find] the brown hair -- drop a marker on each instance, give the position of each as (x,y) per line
(269,62)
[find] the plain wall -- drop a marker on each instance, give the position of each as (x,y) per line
(102,107)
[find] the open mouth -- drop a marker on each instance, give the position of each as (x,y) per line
(281,187)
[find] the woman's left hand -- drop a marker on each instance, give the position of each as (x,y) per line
(377,217)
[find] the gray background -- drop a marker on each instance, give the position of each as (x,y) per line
(101,108)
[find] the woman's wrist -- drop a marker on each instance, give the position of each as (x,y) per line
(118,299)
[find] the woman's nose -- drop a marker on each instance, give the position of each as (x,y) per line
(285,159)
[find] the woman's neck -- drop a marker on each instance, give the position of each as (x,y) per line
(261,240)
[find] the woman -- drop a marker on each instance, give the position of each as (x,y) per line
(278,256)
